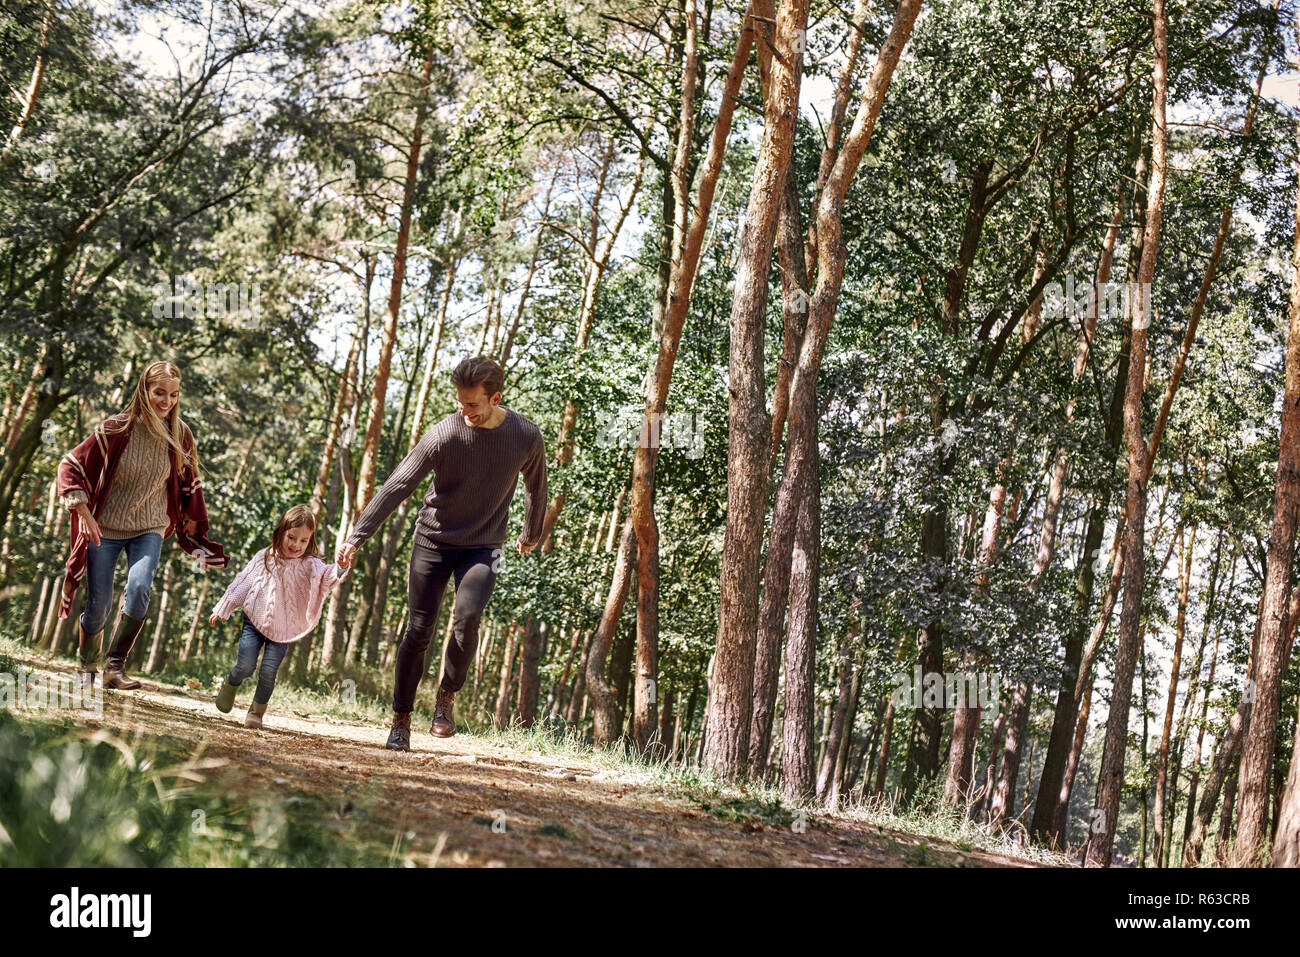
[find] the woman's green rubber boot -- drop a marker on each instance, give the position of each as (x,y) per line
(226,697)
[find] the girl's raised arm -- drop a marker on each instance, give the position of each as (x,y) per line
(327,575)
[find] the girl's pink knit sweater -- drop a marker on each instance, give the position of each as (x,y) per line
(285,602)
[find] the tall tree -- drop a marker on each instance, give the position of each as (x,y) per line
(1102,837)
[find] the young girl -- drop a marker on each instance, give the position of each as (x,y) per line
(130,485)
(281,590)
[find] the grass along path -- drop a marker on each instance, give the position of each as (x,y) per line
(505,798)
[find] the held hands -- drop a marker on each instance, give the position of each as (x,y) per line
(345,554)
(215,618)
(523,548)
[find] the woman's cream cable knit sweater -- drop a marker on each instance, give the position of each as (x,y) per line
(137,501)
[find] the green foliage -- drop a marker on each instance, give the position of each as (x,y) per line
(78,798)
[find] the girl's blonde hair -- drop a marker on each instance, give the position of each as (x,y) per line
(172,429)
(296,517)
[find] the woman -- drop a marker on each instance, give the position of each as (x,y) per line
(129,485)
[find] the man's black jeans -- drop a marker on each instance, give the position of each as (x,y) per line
(431,569)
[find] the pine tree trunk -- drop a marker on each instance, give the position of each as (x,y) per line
(530,656)
(338,602)
(501,712)
(28,99)
(621,677)
(342,402)
(1260,738)
(840,784)
(731,693)
(604,706)
(798,781)
(555,699)
(1162,766)
(578,696)
(1286,845)
(1223,847)
(157,648)
(885,736)
(1101,840)
(793,258)
(831,755)
(375,421)
(191,638)
(1228,748)
(1002,804)
(1053,766)
(776,574)
(1194,783)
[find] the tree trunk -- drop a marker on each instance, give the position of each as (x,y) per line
(192,637)
(604,706)
(1180,630)
(839,784)
(501,712)
(1194,783)
(1004,792)
(375,422)
(776,574)
(842,720)
(530,655)
(555,700)
(1053,766)
(882,765)
(798,781)
(156,649)
(342,402)
(28,100)
(1222,848)
(1101,840)
(724,751)
(1260,738)
(730,704)
(1286,845)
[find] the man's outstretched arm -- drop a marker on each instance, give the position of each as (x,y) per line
(410,472)
(534,473)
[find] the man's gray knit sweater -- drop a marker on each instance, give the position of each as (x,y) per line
(475,472)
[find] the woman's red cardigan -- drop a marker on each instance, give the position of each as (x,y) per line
(90,468)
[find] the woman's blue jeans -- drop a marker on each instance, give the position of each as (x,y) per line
(251,641)
(142,555)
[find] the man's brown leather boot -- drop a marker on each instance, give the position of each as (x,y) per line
(399,739)
(115,661)
(444,721)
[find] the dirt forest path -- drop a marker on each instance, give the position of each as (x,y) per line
(445,794)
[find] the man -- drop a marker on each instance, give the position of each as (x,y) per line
(476,456)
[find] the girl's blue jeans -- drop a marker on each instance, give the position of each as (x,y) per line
(142,554)
(251,641)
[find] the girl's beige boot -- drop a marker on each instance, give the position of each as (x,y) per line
(254,717)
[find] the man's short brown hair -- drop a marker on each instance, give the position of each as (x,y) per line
(479,370)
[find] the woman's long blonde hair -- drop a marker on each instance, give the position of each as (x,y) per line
(171,430)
